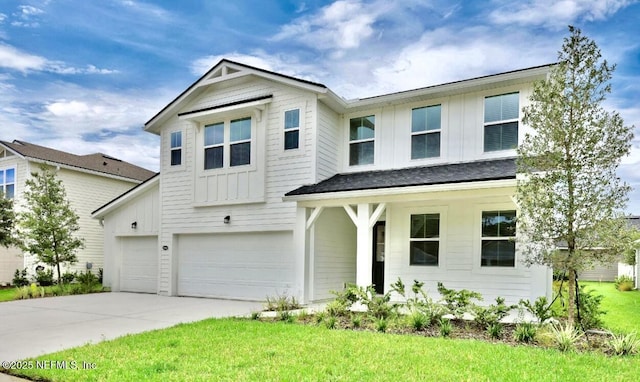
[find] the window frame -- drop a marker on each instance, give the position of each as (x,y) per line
(227,143)
(4,184)
(173,149)
(434,239)
(426,132)
(501,238)
(291,129)
(499,122)
(351,142)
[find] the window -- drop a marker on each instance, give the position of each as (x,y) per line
(213,146)
(425,132)
(291,129)
(8,182)
(361,140)
(498,232)
(176,148)
(424,242)
(240,142)
(501,122)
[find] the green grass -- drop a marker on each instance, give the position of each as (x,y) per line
(246,350)
(7,294)
(623,308)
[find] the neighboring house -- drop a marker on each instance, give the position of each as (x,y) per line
(608,272)
(89,181)
(274,185)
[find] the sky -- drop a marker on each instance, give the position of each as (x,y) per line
(84,76)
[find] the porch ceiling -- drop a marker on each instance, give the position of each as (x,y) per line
(480,171)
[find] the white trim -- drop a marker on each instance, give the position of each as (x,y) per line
(315,214)
(208,114)
(398,191)
(373,219)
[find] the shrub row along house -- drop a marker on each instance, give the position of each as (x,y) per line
(89,180)
(274,185)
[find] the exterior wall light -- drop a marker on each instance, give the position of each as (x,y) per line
(227,219)
(134,225)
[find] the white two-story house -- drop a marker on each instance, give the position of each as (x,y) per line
(274,185)
(89,181)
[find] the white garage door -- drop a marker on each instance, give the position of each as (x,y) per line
(139,272)
(248,266)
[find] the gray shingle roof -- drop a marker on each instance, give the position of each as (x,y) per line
(414,176)
(95,162)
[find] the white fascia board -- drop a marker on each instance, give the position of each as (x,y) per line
(124,198)
(381,194)
(84,170)
(207,113)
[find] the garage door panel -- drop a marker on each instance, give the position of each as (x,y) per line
(247,266)
(139,272)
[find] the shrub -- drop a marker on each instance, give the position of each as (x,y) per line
(20,278)
(356,320)
(445,327)
(458,302)
(22,293)
(281,303)
(540,308)
(418,321)
(590,312)
(331,322)
(86,278)
(564,337)
(320,316)
(286,316)
(377,306)
(420,302)
(492,314)
(337,308)
(68,277)
(44,277)
(495,330)
(624,283)
(624,344)
(381,324)
(255,315)
(525,332)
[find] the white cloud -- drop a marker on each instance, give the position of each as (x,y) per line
(555,14)
(342,25)
(287,65)
(27,16)
(15,59)
(2,17)
(146,9)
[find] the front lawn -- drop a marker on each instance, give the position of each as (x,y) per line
(623,308)
(233,349)
(7,294)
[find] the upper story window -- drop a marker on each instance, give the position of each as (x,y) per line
(424,241)
(501,122)
(8,182)
(425,132)
(498,232)
(214,146)
(291,129)
(361,140)
(227,143)
(176,148)
(240,142)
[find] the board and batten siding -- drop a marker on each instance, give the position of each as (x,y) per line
(461,139)
(334,253)
(184,212)
(459,253)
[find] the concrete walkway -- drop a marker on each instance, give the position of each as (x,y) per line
(30,328)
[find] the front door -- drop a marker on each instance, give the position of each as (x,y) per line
(378,257)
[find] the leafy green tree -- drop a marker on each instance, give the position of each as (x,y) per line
(7,221)
(47,227)
(629,256)
(569,192)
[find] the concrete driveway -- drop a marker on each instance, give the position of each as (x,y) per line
(30,328)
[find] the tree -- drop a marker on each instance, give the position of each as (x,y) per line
(7,220)
(47,227)
(569,192)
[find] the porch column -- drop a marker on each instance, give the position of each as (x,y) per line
(364,242)
(300,236)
